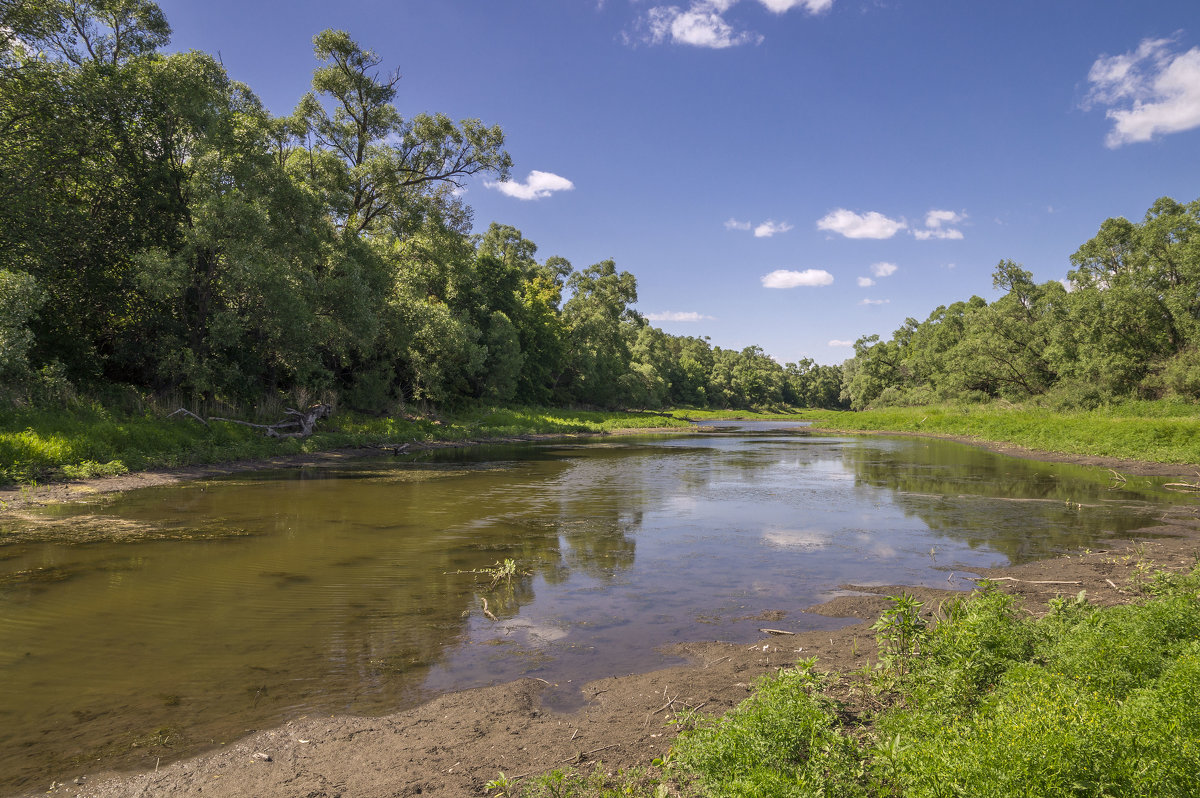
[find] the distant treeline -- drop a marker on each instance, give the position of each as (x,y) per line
(1125,323)
(159,229)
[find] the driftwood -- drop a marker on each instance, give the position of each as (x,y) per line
(300,423)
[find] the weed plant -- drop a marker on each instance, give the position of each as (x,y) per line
(987,702)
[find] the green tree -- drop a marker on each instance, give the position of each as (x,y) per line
(598,348)
(377,169)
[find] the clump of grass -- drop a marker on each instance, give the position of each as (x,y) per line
(1084,701)
(988,702)
(1156,431)
(783,740)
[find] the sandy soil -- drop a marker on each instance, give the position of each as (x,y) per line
(455,744)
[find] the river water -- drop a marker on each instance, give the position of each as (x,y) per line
(241,602)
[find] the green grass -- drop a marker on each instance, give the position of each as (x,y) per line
(1163,432)
(92,440)
(988,702)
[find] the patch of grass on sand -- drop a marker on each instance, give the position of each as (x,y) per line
(987,701)
(88,440)
(1165,432)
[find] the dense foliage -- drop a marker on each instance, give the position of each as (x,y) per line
(160,230)
(1125,323)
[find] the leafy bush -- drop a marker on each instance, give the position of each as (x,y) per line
(782,741)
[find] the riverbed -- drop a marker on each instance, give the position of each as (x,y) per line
(235,604)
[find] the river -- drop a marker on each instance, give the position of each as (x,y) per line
(237,603)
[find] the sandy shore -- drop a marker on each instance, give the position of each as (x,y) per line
(453,745)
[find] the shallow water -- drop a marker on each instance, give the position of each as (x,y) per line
(328,590)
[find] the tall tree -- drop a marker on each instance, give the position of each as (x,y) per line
(377,168)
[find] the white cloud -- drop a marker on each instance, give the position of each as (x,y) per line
(1149,91)
(784,278)
(938,218)
(934,221)
(676,315)
(853,225)
(811,6)
(839,342)
(865,282)
(875,302)
(949,233)
(536,186)
(703,24)
(883,269)
(770,227)
(734,224)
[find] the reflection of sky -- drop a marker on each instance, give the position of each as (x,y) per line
(727,527)
(360,588)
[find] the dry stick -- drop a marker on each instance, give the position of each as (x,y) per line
(1114,586)
(486,611)
(715,661)
(664,706)
(1029,581)
(776,632)
(582,754)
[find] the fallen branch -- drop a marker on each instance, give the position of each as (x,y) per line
(776,632)
(582,754)
(302,423)
(1029,581)
(394,448)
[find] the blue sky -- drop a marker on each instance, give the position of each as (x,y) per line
(787,173)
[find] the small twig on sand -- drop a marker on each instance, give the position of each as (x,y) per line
(1113,585)
(582,754)
(1030,581)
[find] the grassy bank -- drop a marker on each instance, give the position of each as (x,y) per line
(1163,432)
(92,440)
(987,702)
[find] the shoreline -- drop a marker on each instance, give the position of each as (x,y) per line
(454,744)
(15,497)
(457,742)
(1141,468)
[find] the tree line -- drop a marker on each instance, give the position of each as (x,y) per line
(1125,323)
(160,229)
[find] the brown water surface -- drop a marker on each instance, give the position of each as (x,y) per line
(265,597)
